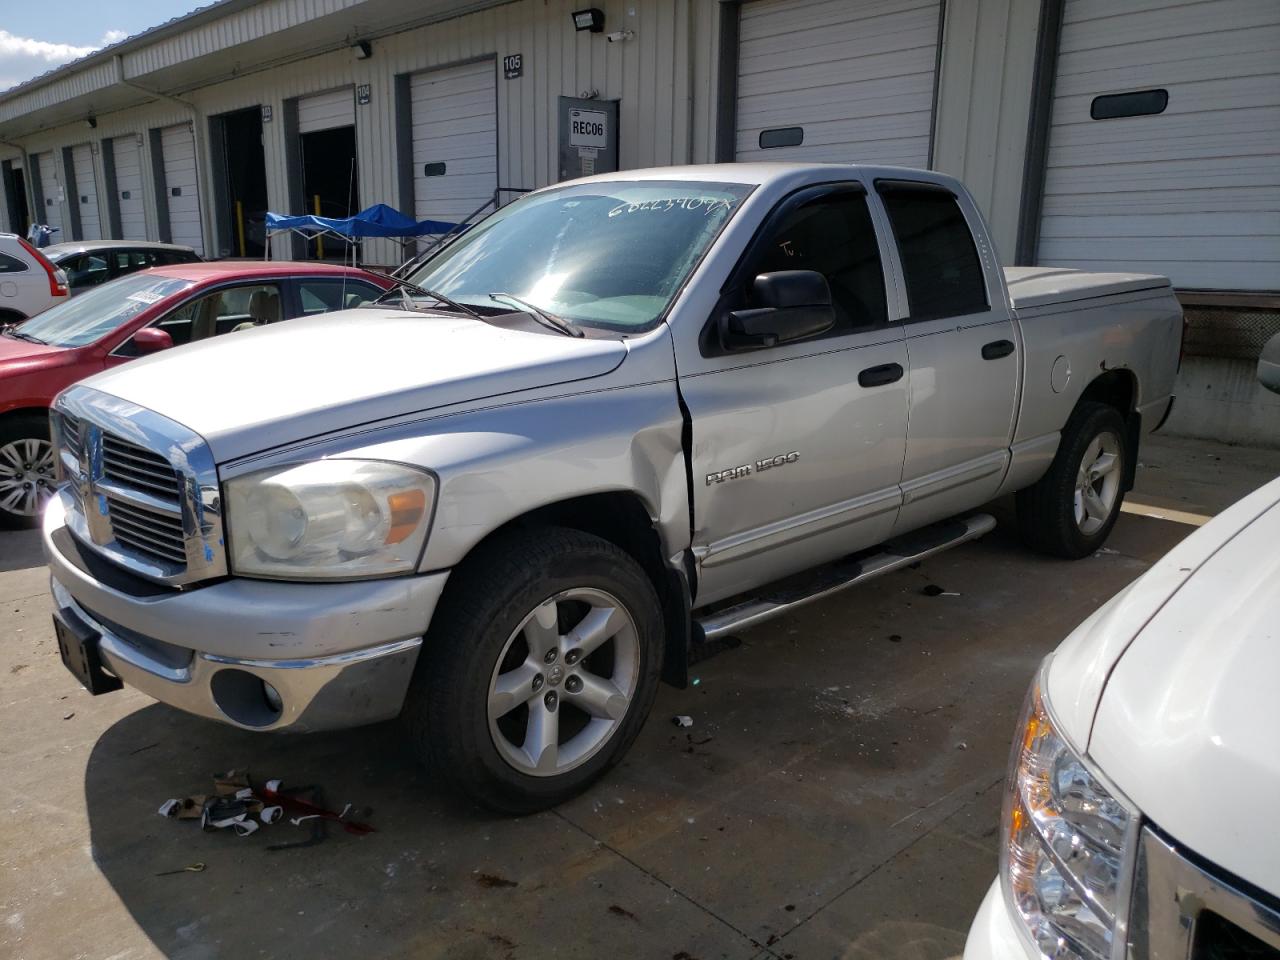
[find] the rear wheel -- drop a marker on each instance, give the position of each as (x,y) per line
(26,470)
(1070,511)
(539,669)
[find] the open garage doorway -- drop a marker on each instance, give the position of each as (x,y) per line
(330,182)
(15,191)
(242,182)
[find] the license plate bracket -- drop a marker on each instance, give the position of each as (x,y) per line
(78,647)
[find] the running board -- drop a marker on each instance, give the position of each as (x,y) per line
(786,595)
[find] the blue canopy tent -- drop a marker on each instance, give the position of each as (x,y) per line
(379,220)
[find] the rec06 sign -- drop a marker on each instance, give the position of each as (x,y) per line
(588,128)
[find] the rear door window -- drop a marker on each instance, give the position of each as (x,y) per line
(10,264)
(940,261)
(322,296)
(88,270)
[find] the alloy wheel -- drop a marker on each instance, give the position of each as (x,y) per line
(1097,483)
(26,476)
(564,682)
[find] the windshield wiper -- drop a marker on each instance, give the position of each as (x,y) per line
(434,295)
(19,335)
(567,327)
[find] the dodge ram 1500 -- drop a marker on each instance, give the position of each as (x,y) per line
(614,421)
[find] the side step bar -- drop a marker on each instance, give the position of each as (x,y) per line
(786,595)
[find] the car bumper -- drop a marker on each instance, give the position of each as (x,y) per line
(335,654)
(993,936)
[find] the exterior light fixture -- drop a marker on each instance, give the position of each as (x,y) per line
(590,19)
(363,49)
(92,122)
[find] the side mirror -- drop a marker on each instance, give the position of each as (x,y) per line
(1269,365)
(794,304)
(151,340)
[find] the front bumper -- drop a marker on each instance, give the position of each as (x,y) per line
(993,936)
(337,654)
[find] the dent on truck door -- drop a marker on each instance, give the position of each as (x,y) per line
(964,358)
(797,449)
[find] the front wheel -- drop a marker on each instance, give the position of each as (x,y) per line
(26,470)
(539,669)
(1070,511)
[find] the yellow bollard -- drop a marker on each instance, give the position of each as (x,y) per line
(240,226)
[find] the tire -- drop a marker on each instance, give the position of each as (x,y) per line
(26,470)
(487,681)
(1057,515)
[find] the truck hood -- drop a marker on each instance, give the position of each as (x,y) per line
(1188,726)
(258,389)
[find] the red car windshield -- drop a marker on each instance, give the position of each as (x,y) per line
(100,311)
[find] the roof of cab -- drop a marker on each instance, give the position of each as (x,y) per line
(225,269)
(88,246)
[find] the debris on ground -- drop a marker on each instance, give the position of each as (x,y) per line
(237,805)
(618,911)
(895,638)
(682,720)
(932,590)
(1106,552)
(494,882)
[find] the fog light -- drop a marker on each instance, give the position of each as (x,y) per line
(245,698)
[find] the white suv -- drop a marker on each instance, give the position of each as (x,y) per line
(29,283)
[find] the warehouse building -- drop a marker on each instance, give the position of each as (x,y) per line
(1133,135)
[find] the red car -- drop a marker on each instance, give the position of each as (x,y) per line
(136,315)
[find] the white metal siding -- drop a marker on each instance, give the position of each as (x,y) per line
(179,150)
(1193,192)
(858,78)
(86,192)
(49,186)
(455,122)
(128,161)
(325,111)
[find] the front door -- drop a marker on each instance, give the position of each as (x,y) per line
(795,462)
(964,353)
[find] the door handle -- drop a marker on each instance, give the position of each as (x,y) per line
(879,376)
(997,349)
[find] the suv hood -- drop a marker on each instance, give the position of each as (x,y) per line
(263,388)
(1170,687)
(1188,725)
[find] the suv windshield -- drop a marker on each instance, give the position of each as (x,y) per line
(100,310)
(606,255)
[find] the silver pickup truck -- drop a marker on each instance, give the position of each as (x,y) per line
(609,425)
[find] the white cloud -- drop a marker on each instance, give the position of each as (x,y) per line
(22,58)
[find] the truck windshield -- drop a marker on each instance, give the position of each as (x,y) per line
(605,255)
(100,311)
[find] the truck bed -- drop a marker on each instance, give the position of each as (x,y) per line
(1038,287)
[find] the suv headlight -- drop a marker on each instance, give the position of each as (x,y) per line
(1065,860)
(329,520)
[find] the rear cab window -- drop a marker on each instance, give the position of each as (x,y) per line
(10,264)
(940,263)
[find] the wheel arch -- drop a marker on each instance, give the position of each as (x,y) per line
(622,518)
(28,410)
(9,315)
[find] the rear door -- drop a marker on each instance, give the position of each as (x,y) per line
(963,351)
(86,188)
(127,155)
(183,200)
(795,461)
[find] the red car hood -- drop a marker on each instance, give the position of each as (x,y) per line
(18,355)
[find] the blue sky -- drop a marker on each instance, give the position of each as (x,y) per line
(32,41)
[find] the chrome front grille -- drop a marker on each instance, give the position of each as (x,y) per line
(141,489)
(135,466)
(147,531)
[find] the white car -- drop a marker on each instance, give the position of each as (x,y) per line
(29,282)
(1140,815)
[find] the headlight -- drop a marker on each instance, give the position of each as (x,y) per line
(1066,839)
(329,520)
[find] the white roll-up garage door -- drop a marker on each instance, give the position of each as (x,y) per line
(51,215)
(182,194)
(86,188)
(324,111)
(831,80)
(455,140)
(1191,191)
(128,164)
